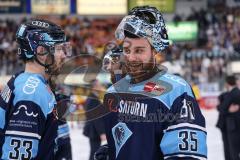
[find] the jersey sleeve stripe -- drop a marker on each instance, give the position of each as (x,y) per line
(63,135)
(185,125)
(26,134)
(2,120)
(63,126)
(184,141)
(63,129)
(186,156)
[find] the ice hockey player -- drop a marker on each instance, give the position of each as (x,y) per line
(28,124)
(152,115)
(113,63)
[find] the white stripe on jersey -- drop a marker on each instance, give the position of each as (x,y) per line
(186,125)
(63,135)
(62,126)
(27,134)
(182,156)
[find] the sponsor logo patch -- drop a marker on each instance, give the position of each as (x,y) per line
(154,88)
(40,24)
(25,110)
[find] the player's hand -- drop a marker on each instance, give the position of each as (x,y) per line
(103,139)
(102,153)
(233,108)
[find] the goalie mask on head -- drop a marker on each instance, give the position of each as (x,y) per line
(145,22)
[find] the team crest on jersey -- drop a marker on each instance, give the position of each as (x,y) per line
(154,88)
(121,133)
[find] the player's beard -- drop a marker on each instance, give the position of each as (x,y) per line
(55,68)
(140,71)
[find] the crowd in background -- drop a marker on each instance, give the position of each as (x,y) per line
(203,60)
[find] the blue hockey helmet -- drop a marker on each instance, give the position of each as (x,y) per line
(113,56)
(36,33)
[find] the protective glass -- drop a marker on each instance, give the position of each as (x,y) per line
(65,47)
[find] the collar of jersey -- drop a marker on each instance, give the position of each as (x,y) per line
(160,73)
(39,76)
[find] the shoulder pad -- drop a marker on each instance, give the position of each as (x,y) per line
(179,86)
(30,87)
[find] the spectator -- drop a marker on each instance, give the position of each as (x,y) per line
(229,120)
(218,38)
(221,124)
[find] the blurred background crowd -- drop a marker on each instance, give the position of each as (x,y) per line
(202,60)
(205,47)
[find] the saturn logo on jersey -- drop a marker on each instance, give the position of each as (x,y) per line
(24,108)
(133,108)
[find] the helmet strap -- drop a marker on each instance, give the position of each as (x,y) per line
(46,66)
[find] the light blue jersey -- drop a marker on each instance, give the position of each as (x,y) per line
(28,125)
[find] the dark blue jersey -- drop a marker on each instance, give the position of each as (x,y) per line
(28,125)
(63,141)
(156,119)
